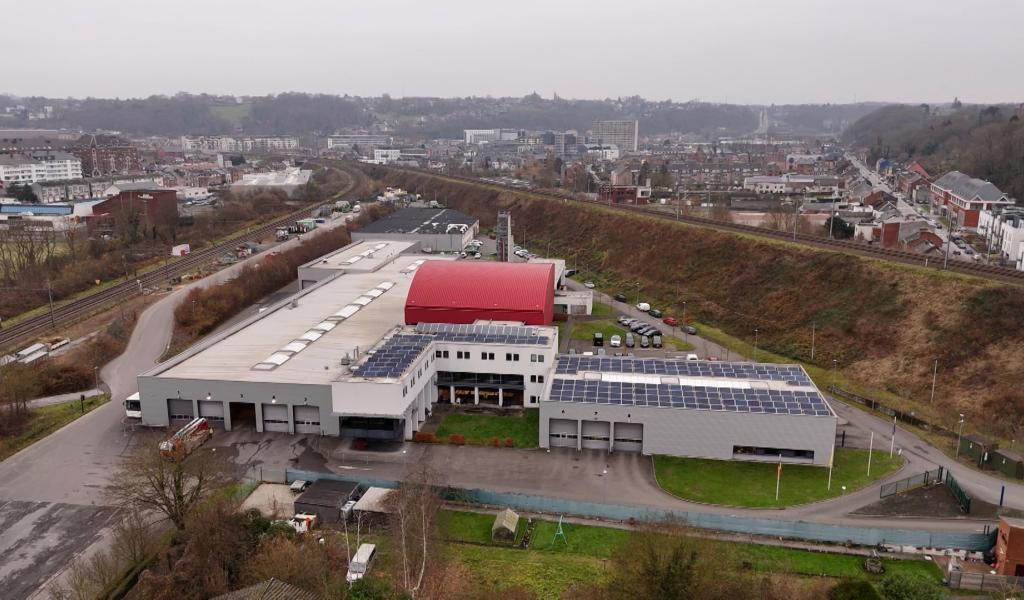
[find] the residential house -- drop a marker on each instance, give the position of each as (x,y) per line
(964,197)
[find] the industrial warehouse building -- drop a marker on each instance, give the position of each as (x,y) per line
(436,229)
(702,409)
(381,332)
(337,359)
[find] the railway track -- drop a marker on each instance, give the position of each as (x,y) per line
(994,272)
(76,310)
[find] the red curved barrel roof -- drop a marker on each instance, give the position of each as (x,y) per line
(466,291)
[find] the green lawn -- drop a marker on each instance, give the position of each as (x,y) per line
(46,420)
(549,568)
(479,429)
(600,309)
(585,330)
(751,484)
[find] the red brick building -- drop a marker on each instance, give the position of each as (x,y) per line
(105,155)
(145,209)
(1010,547)
(963,197)
(625,194)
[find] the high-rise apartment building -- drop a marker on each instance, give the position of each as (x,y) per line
(624,134)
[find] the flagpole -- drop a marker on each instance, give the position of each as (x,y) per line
(871,446)
(892,444)
(831,459)
(778,478)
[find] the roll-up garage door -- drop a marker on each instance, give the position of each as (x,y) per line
(307,419)
(629,437)
(179,410)
(275,417)
(213,411)
(595,435)
(562,433)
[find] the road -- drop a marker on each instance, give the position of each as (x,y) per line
(51,493)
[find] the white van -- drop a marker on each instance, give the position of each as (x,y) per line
(360,563)
(643,306)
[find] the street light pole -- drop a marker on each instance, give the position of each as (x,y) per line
(835,366)
(755,344)
(935,372)
(685,332)
(814,326)
(638,292)
(959,436)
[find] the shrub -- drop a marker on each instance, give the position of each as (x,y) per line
(457,438)
(495,442)
(854,589)
(510,443)
(423,436)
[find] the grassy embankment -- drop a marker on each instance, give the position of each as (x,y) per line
(524,429)
(551,566)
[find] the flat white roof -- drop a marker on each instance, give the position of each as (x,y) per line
(263,349)
(366,255)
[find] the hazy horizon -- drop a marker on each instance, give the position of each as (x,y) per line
(735,52)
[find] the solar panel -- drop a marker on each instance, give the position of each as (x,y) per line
(484,334)
(572,364)
(691,397)
(392,358)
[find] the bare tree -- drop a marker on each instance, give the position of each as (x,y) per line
(172,487)
(413,523)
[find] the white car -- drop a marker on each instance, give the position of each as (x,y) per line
(589,285)
(692,356)
(615,342)
(643,306)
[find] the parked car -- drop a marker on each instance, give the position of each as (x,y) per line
(690,329)
(713,358)
(654,312)
(620,298)
(616,341)
(630,340)
(645,342)
(589,285)
(637,325)
(643,306)
(656,340)
(692,356)
(670,321)
(298,486)
(598,338)
(624,320)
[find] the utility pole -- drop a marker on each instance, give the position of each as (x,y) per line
(832,218)
(755,344)
(813,327)
(959,436)
(935,373)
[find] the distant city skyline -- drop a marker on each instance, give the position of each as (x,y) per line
(735,51)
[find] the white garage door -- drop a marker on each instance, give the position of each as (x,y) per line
(629,437)
(307,419)
(595,435)
(213,411)
(562,433)
(275,417)
(179,410)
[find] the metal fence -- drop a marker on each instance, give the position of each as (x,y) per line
(904,417)
(821,532)
(984,582)
(909,483)
(961,496)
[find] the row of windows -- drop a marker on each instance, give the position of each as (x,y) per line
(536,379)
(509,356)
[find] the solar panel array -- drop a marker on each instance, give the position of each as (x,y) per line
(786,402)
(570,365)
(391,359)
(483,334)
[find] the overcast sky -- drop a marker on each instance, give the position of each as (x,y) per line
(739,51)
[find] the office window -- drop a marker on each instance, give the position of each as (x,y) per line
(437,353)
(511,357)
(540,379)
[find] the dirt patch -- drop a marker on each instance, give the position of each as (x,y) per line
(273,500)
(934,501)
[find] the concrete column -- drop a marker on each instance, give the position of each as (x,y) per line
(227,416)
(291,418)
(409,420)
(501,398)
(476,395)
(195,407)
(611,436)
(451,393)
(259,416)
(421,405)
(579,434)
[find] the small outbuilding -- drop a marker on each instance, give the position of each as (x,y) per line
(1009,462)
(505,525)
(374,501)
(977,448)
(324,498)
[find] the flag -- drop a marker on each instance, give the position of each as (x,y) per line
(778,472)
